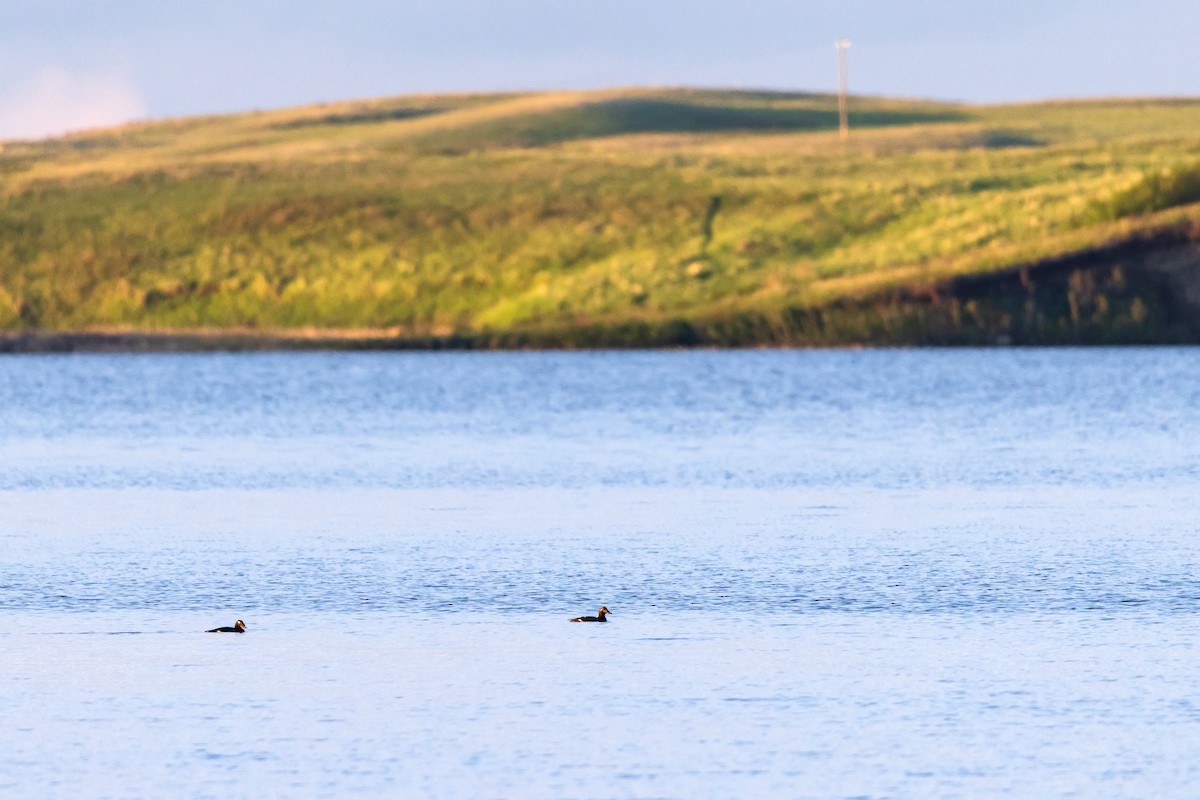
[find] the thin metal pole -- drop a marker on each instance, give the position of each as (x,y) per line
(843,119)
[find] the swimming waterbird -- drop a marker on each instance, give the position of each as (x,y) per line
(238,627)
(598,618)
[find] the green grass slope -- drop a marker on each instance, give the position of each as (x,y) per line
(539,214)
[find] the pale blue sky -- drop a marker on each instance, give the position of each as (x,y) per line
(67,64)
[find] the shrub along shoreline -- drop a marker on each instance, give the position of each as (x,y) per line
(1137,291)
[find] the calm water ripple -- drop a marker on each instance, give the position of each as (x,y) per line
(832,574)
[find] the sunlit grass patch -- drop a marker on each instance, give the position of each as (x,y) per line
(499,212)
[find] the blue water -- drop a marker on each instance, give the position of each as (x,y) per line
(832,574)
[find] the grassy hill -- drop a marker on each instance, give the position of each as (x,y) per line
(619,217)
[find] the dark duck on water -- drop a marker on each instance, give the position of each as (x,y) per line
(598,618)
(238,627)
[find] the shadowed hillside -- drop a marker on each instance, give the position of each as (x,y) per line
(619,217)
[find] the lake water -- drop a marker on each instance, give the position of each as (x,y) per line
(966,573)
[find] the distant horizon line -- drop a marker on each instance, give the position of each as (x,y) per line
(151,120)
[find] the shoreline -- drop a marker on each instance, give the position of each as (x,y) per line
(1140,290)
(212,341)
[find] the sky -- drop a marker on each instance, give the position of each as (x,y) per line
(76,64)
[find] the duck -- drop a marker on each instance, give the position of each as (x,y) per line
(598,618)
(238,627)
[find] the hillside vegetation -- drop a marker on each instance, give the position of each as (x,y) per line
(534,215)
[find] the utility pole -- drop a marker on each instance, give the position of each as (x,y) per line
(843,121)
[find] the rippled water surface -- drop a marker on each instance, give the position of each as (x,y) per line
(832,574)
